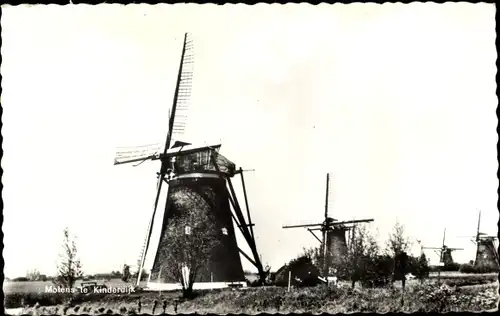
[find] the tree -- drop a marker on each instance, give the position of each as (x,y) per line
(313,253)
(358,264)
(192,237)
(126,273)
(397,241)
(33,275)
(69,268)
(421,267)
(397,247)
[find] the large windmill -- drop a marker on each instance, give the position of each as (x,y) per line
(199,180)
(444,252)
(333,241)
(486,250)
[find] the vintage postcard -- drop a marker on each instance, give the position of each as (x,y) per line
(244,159)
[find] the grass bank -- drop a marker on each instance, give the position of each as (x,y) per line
(417,298)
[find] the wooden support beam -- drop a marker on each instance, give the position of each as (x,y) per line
(237,223)
(242,223)
(248,225)
(314,235)
(246,202)
(239,215)
(242,170)
(248,258)
(250,240)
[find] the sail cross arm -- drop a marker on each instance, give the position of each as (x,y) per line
(305,225)
(137,153)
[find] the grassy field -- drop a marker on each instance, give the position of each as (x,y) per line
(417,297)
(457,274)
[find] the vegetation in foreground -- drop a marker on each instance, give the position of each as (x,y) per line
(367,266)
(417,297)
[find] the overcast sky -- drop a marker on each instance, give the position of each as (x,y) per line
(396,101)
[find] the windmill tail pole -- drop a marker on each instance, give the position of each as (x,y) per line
(246,202)
(150,229)
(325,253)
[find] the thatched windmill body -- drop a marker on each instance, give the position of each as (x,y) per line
(444,252)
(486,250)
(199,182)
(333,235)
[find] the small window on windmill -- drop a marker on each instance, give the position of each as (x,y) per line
(224,231)
(187,230)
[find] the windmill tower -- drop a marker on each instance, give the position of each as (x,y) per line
(199,183)
(444,252)
(333,241)
(486,250)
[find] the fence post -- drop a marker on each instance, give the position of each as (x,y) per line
(289,279)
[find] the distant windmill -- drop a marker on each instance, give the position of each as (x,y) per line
(333,241)
(444,252)
(199,180)
(486,251)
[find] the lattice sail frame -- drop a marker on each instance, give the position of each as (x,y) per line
(184,91)
(180,112)
(136,153)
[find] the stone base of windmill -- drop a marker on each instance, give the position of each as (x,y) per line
(164,286)
(154,286)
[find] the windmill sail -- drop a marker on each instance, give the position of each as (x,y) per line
(329,193)
(177,116)
(137,153)
(181,95)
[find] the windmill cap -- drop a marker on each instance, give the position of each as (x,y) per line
(180,144)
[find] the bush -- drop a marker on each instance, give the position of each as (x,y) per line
(304,273)
(419,267)
(482,268)
(451,267)
(377,271)
(446,299)
(437,299)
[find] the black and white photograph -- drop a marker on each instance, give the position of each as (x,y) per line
(296,158)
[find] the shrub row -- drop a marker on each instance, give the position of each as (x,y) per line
(376,271)
(482,268)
